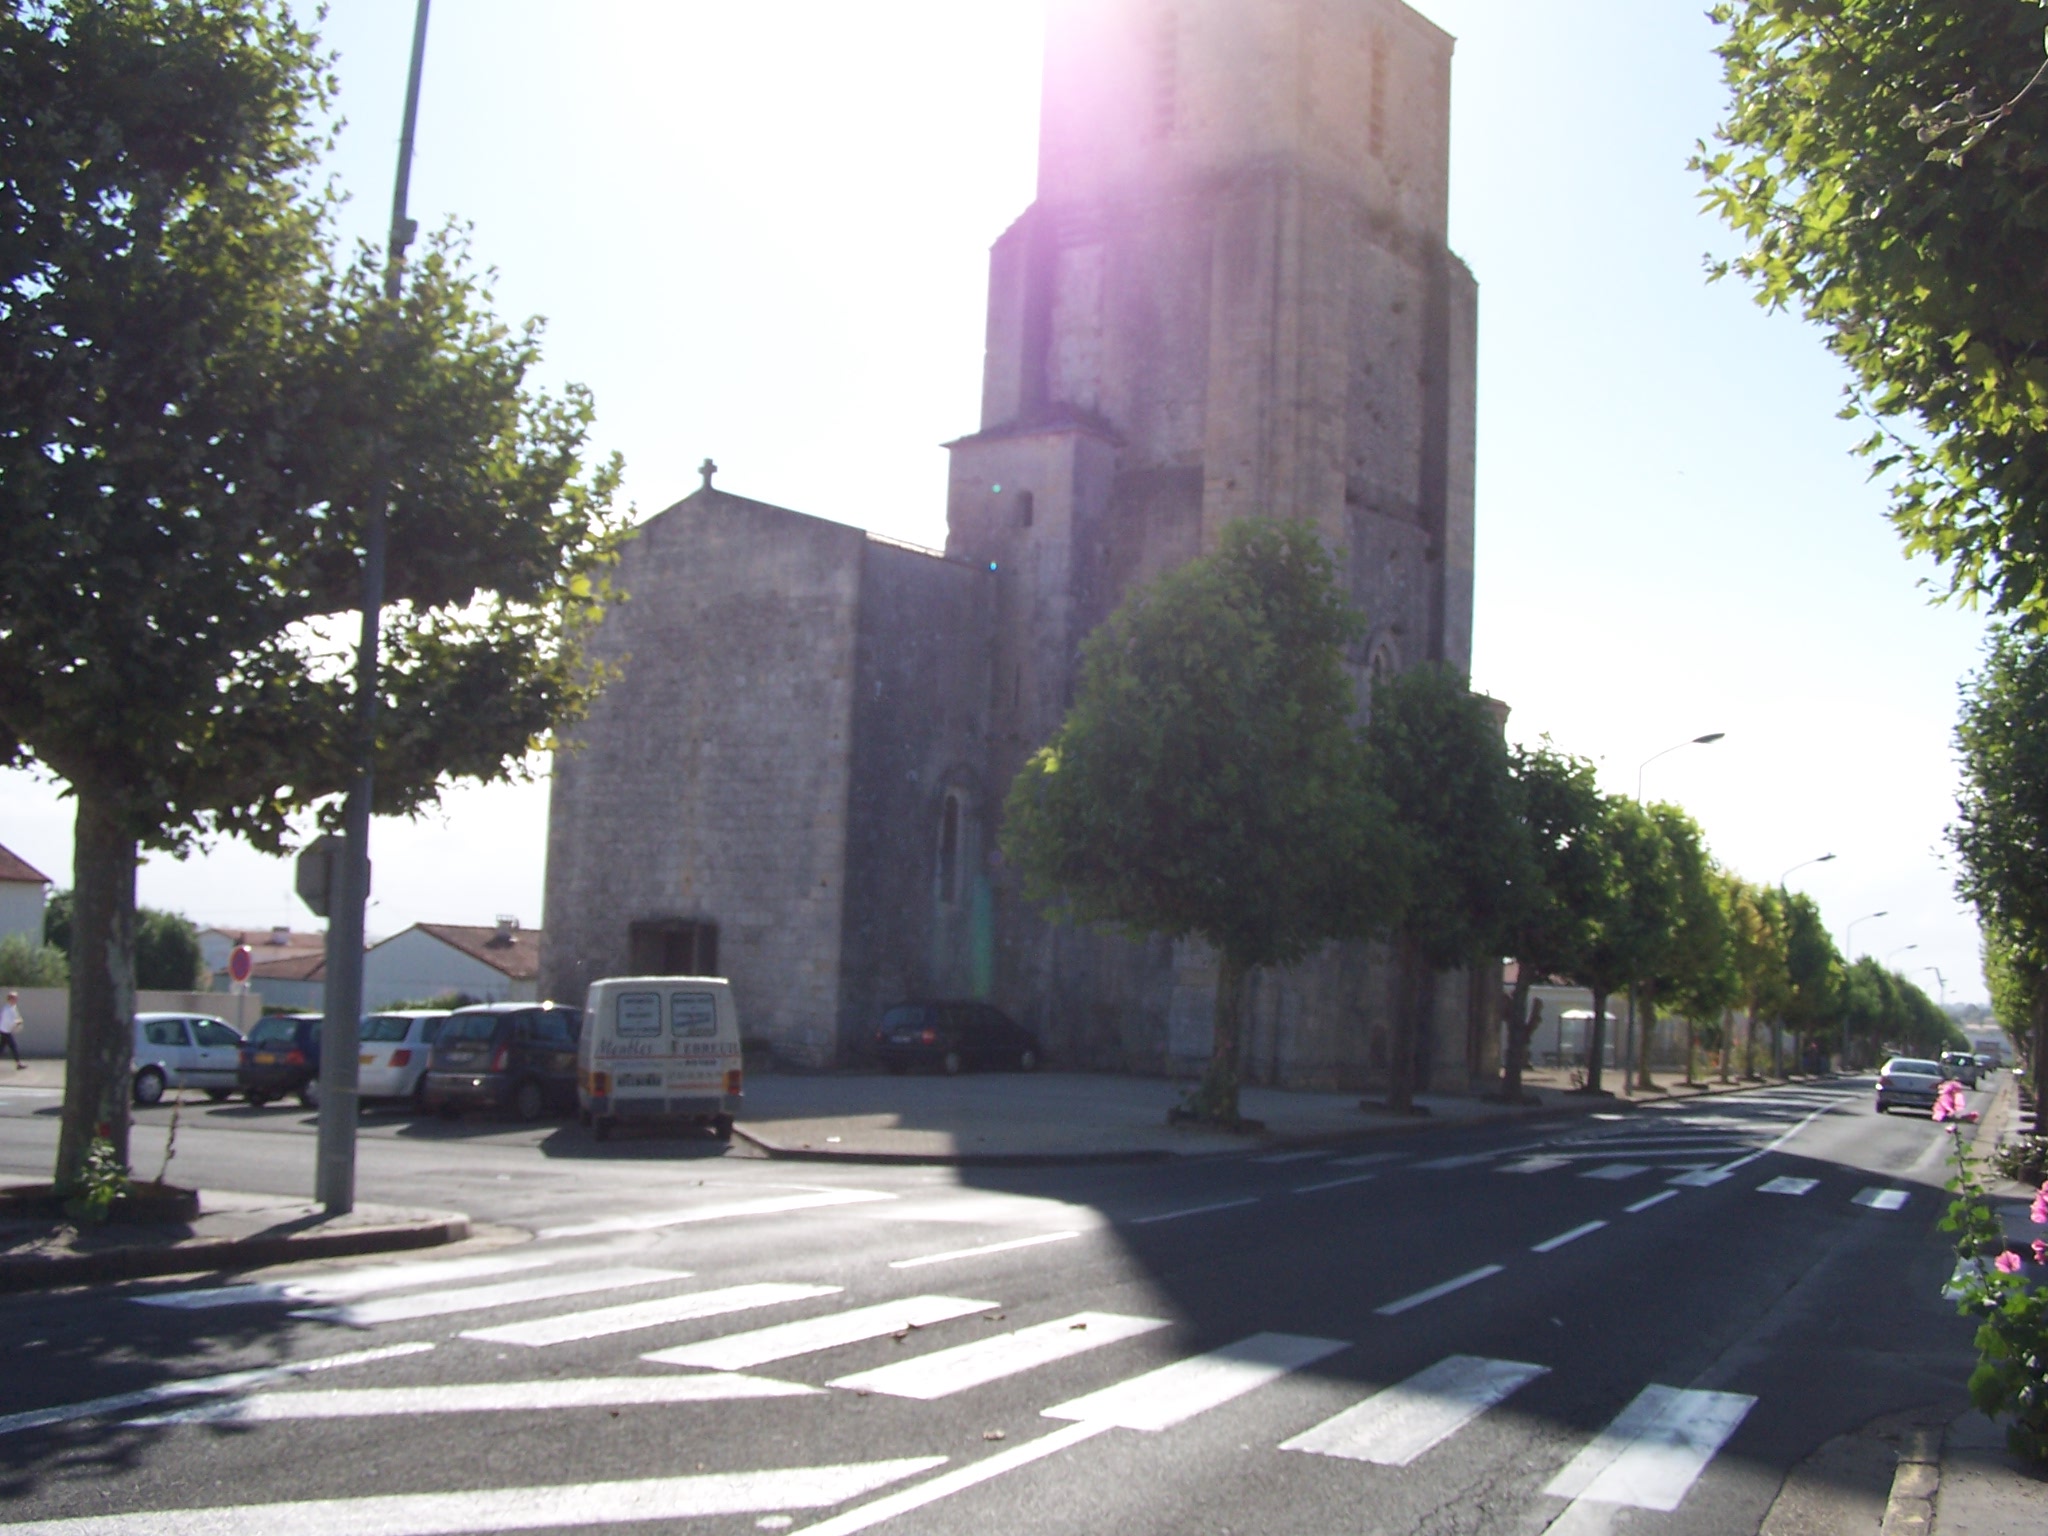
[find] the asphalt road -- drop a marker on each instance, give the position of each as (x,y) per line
(1631,1324)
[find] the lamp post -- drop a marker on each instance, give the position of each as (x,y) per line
(1691,741)
(1826,858)
(1849,954)
(334,1172)
(1888,959)
(1940,981)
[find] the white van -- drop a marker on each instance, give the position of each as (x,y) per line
(659,1048)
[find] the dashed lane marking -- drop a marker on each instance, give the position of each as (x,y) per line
(1194,1210)
(986,1248)
(1616,1171)
(1657,1199)
(1292,1157)
(1551,1245)
(1409,1303)
(1355,1178)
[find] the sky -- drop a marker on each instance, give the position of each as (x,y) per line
(759,233)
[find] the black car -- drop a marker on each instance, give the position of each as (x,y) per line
(953,1037)
(280,1056)
(516,1056)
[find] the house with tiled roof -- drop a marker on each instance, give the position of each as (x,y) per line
(22,890)
(493,964)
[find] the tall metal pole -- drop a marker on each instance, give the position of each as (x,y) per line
(339,1042)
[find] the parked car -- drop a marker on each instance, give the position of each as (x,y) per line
(395,1049)
(1986,1065)
(1961,1066)
(184,1050)
(282,1056)
(516,1056)
(952,1037)
(1909,1081)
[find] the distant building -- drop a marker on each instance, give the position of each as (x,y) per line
(267,946)
(23,888)
(492,965)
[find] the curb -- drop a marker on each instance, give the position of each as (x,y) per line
(224,1253)
(1910,1509)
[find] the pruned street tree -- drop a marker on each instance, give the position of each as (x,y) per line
(1813,973)
(200,401)
(1629,917)
(1208,781)
(1555,908)
(1439,760)
(1688,961)
(1887,165)
(1757,938)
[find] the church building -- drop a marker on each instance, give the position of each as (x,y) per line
(1232,297)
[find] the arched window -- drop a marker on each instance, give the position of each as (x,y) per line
(949,849)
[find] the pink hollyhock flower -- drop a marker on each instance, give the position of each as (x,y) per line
(2040,1251)
(2007,1263)
(2040,1208)
(1948,1101)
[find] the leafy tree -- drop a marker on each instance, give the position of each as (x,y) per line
(25,963)
(1208,781)
(1758,932)
(1888,165)
(1439,760)
(1630,917)
(199,405)
(167,954)
(1689,961)
(2001,829)
(1552,920)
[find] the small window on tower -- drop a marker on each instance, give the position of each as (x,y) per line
(1165,73)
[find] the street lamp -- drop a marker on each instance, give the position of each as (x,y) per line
(1849,953)
(1940,981)
(1826,858)
(1888,959)
(1691,741)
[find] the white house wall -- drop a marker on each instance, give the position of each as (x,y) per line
(21,909)
(415,965)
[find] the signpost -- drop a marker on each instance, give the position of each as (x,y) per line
(241,965)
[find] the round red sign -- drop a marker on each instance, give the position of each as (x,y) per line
(240,963)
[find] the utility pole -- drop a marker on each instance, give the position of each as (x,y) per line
(339,1042)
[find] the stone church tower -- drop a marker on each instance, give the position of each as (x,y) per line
(1232,297)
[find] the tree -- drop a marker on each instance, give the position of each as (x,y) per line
(1757,934)
(1688,959)
(1208,780)
(2001,829)
(167,953)
(1886,164)
(1630,916)
(25,963)
(1813,971)
(1551,924)
(1439,760)
(199,405)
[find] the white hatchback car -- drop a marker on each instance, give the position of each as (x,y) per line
(184,1050)
(395,1049)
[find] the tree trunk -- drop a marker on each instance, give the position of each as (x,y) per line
(1216,1099)
(2037,1071)
(1646,1025)
(1520,1028)
(1749,1071)
(1411,983)
(101,1047)
(1597,1050)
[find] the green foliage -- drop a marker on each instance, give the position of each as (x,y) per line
(2011,1377)
(1207,780)
(102,1181)
(447,1000)
(2025,1160)
(167,954)
(25,963)
(1694,965)
(1813,968)
(1888,166)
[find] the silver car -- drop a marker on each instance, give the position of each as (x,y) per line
(1909,1082)
(184,1050)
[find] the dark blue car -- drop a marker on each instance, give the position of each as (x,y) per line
(281,1056)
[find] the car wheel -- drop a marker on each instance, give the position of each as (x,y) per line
(1883,1108)
(528,1102)
(258,1100)
(952,1064)
(149,1086)
(1027,1061)
(309,1095)
(217,1095)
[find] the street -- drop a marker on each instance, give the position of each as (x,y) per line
(1634,1322)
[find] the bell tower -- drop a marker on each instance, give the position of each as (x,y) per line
(1232,297)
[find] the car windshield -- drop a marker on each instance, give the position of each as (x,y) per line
(469,1026)
(1913,1068)
(274,1032)
(385,1028)
(906,1018)
(213,1032)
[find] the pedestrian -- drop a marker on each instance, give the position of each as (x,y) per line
(10,1022)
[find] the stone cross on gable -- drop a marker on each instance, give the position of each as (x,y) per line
(707,469)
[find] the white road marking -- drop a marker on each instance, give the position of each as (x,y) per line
(566,1506)
(601,1322)
(1551,1245)
(1654,1450)
(1702,1178)
(1657,1199)
(1787,1186)
(974,1253)
(649,1221)
(477,1298)
(1292,1157)
(1366,1159)
(1408,1303)
(1882,1199)
(944,1486)
(1535,1165)
(1615,1171)
(341,1286)
(1766,1150)
(1194,1210)
(740,1351)
(1465,1161)
(483,1397)
(1394,1427)
(929,1377)
(199,1386)
(1163,1398)
(1356,1178)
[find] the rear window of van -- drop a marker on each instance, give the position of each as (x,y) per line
(469,1026)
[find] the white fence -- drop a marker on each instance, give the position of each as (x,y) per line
(46,1013)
